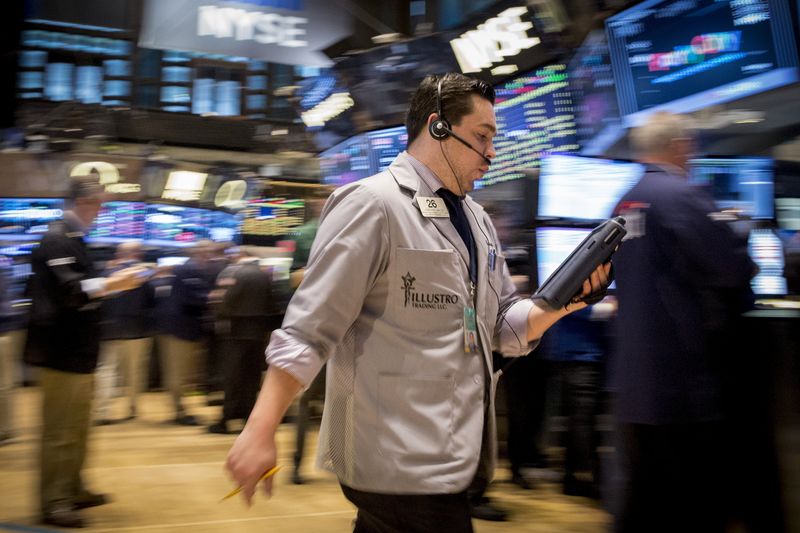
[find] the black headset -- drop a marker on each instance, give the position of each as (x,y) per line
(440,128)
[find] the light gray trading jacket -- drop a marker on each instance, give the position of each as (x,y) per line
(382,301)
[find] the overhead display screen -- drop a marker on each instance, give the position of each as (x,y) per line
(385,145)
(534,118)
(594,96)
(27,219)
(743,184)
(118,221)
(686,55)
(584,188)
(362,155)
(346,162)
(266,220)
(170,225)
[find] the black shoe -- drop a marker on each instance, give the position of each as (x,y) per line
(220,427)
(186,420)
(484,510)
(90,499)
(577,487)
(297,479)
(521,481)
(63,516)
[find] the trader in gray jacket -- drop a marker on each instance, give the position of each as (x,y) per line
(405,268)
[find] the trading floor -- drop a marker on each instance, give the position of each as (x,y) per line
(168,478)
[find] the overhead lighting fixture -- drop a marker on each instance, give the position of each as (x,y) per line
(386,38)
(500,37)
(279,132)
(330,108)
(504,70)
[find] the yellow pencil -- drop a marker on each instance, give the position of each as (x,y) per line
(269,473)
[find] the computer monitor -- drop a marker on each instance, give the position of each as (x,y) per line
(346,162)
(267,220)
(172,225)
(685,56)
(742,184)
(766,251)
(553,245)
(594,95)
(117,222)
(583,188)
(27,219)
(384,146)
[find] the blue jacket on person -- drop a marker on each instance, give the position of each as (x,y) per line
(682,279)
(187,305)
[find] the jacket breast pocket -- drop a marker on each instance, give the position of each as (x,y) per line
(427,289)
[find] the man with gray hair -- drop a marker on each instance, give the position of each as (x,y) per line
(682,281)
(63,338)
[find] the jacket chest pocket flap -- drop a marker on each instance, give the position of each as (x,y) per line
(427,289)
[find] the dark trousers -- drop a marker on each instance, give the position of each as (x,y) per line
(400,513)
(673,478)
(581,381)
(525,380)
(244,363)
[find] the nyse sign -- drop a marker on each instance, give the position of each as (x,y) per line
(292,33)
(242,25)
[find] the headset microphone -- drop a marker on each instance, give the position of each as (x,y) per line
(468,145)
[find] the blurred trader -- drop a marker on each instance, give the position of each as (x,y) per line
(8,362)
(127,338)
(248,307)
(183,346)
(403,268)
(683,278)
(64,339)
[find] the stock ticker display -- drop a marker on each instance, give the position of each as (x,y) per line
(743,184)
(346,162)
(171,225)
(534,118)
(699,53)
(385,145)
(119,221)
(594,96)
(264,221)
(362,155)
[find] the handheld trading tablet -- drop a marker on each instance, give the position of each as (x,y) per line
(596,249)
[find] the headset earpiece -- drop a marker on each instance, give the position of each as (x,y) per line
(439,128)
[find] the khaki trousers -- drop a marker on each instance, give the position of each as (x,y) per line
(66,416)
(128,357)
(181,362)
(11,346)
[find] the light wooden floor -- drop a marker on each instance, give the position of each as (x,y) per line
(166,478)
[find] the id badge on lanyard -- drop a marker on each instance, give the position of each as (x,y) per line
(470,324)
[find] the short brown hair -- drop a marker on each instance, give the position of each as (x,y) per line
(455,100)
